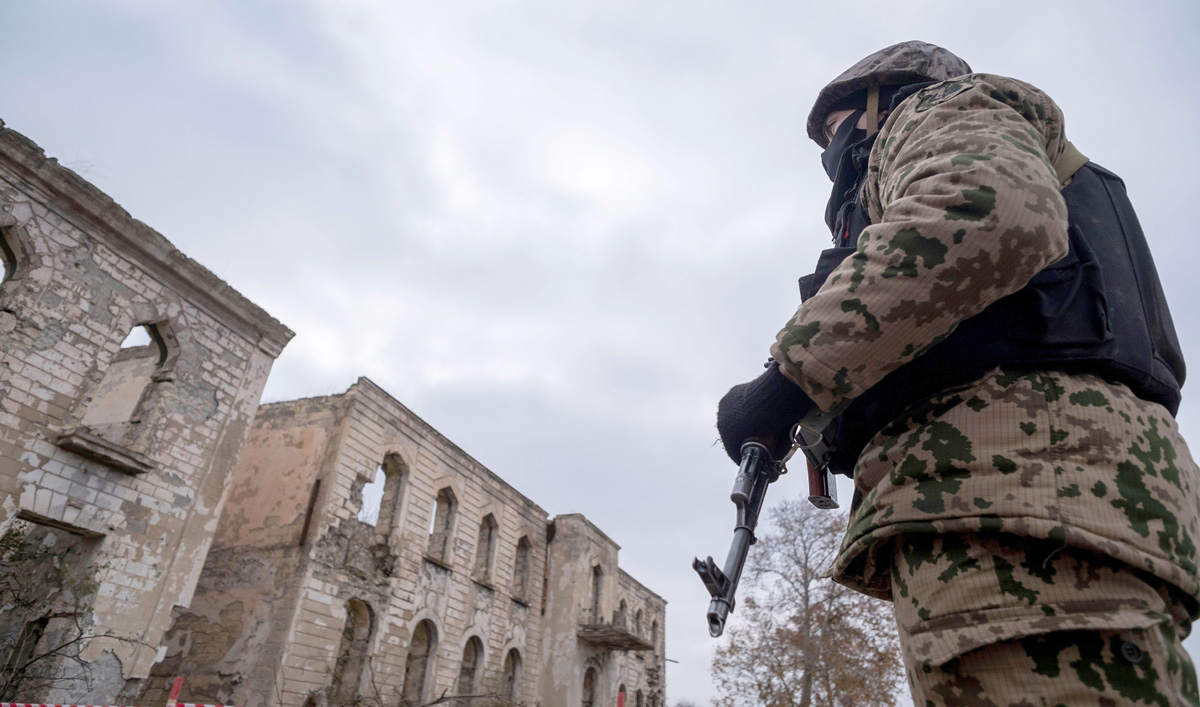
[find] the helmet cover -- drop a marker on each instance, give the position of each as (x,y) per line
(900,64)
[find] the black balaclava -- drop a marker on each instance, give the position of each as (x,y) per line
(846,135)
(845,161)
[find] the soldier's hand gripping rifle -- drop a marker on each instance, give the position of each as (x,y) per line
(755,473)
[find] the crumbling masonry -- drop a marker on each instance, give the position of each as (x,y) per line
(357,556)
(114,457)
(451,583)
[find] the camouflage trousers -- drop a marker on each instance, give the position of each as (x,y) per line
(1068,626)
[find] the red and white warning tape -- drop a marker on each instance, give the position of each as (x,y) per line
(31,704)
(176,687)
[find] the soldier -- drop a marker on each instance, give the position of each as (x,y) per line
(991,341)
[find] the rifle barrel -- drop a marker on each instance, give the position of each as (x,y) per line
(749,491)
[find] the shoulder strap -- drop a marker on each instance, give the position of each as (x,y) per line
(1070,162)
(872,110)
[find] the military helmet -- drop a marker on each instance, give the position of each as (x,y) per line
(899,64)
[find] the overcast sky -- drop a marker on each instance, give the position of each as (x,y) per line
(558,231)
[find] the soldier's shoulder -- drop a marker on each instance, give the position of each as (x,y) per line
(983,91)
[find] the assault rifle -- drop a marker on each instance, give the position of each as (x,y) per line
(756,472)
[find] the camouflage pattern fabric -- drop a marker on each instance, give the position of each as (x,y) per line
(1027,504)
(904,63)
(1065,669)
(965,209)
(1066,458)
(984,598)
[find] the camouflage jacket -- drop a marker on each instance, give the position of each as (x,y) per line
(965,209)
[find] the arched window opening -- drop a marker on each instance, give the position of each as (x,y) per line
(589,688)
(468,674)
(352,653)
(597,580)
(638,699)
(120,397)
(637,622)
(138,336)
(510,685)
(621,696)
(9,251)
(441,524)
(521,569)
(654,636)
(418,667)
(622,610)
(372,498)
(395,473)
(485,548)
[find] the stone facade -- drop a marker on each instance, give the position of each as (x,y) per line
(460,586)
(115,453)
(603,629)
(156,522)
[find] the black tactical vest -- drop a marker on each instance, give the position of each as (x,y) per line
(1100,309)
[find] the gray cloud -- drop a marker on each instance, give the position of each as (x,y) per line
(558,231)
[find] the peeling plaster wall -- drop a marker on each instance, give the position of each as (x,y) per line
(230,641)
(576,548)
(267,620)
(341,441)
(284,455)
(86,274)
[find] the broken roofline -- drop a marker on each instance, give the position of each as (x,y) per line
(366,383)
(97,214)
(592,526)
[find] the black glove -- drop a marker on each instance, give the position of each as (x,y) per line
(765,409)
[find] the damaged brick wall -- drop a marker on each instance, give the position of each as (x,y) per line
(229,643)
(133,446)
(308,599)
(296,502)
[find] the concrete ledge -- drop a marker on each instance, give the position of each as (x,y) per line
(86,444)
(612,637)
(438,562)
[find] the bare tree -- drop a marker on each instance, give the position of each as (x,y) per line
(799,639)
(46,590)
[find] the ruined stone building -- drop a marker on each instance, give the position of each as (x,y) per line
(363,558)
(603,629)
(129,377)
(156,522)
